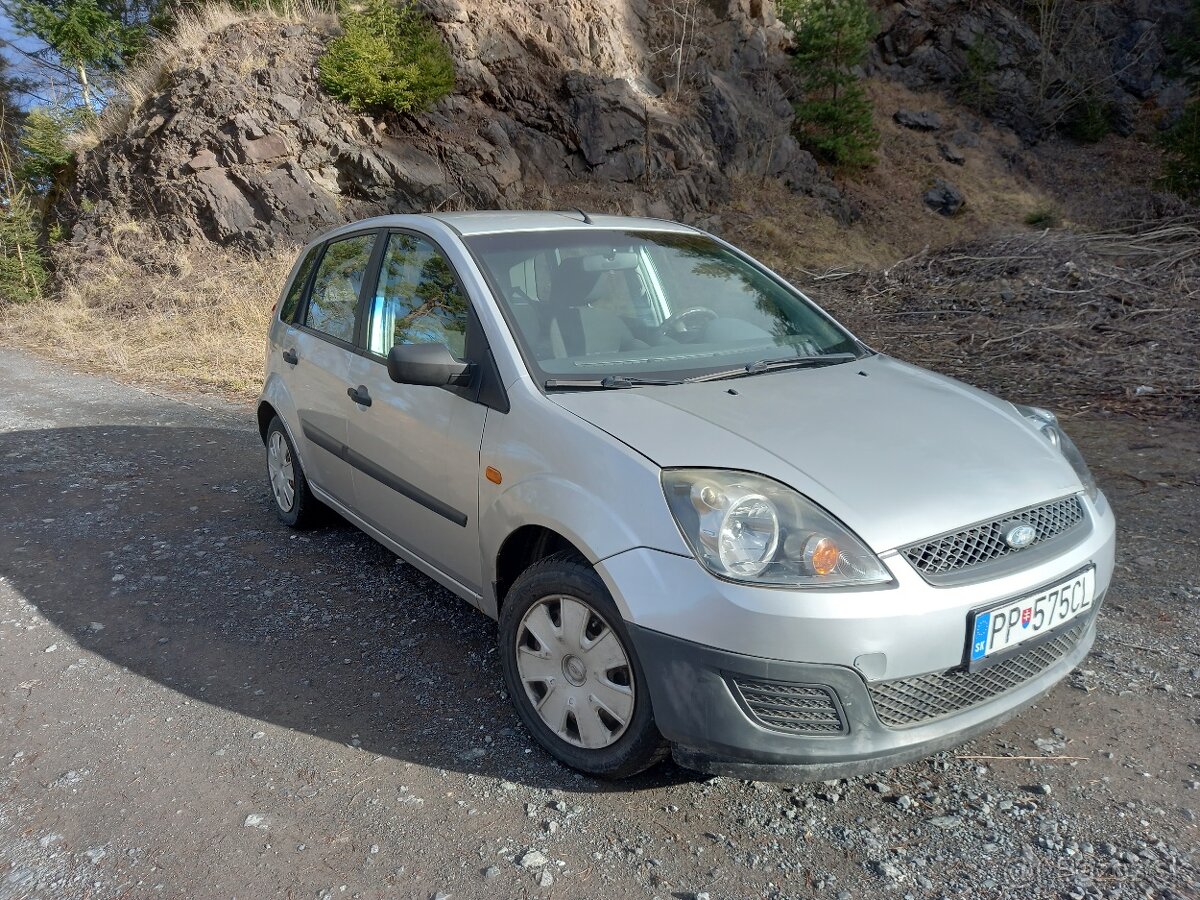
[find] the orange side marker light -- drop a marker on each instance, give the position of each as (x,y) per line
(493,475)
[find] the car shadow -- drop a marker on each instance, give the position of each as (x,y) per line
(158,549)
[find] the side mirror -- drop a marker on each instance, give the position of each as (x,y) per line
(429,364)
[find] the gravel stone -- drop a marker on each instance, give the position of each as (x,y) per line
(945,821)
(533,859)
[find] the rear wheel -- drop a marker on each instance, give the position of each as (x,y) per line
(572,672)
(294,503)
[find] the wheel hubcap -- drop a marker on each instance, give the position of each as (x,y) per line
(575,672)
(575,669)
(281,471)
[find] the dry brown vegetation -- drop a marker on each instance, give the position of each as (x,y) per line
(790,232)
(1103,321)
(150,311)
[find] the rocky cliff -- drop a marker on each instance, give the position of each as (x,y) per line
(559,102)
(238,144)
(1039,66)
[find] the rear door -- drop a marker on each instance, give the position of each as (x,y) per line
(418,481)
(319,349)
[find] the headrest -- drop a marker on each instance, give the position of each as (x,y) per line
(572,284)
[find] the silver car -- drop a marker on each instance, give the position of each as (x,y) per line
(708,519)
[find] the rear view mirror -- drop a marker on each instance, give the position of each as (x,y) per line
(428,364)
(617,262)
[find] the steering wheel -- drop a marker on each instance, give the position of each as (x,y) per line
(687,323)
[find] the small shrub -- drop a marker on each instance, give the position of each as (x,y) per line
(1044,217)
(390,56)
(1181,164)
(22,267)
(834,117)
(1089,121)
(43,147)
(1181,142)
(975,87)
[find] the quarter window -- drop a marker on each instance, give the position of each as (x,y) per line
(291,303)
(335,290)
(418,300)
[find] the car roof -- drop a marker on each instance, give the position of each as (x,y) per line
(505,221)
(491,222)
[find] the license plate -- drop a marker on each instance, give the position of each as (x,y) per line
(1015,621)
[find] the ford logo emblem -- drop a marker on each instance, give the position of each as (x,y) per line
(1020,535)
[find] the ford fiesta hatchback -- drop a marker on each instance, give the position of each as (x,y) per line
(709,520)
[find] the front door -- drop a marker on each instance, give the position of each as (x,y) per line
(320,354)
(416,448)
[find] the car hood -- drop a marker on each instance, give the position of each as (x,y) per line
(897,453)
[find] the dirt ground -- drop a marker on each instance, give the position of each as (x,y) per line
(195,702)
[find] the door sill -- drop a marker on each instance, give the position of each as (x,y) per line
(417,562)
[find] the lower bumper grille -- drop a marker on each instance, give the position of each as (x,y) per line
(910,701)
(794,708)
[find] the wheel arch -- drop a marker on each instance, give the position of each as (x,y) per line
(524,547)
(265,413)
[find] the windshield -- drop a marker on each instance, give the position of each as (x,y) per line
(596,304)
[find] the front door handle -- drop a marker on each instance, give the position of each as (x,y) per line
(290,357)
(359,395)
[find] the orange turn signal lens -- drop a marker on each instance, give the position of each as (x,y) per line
(493,475)
(821,555)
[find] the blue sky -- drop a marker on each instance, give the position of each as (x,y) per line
(18,63)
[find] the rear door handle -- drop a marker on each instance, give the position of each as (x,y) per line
(290,357)
(359,395)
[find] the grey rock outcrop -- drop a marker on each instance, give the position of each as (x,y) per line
(944,198)
(1033,74)
(238,144)
(925,120)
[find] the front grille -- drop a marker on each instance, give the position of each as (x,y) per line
(984,543)
(909,701)
(794,708)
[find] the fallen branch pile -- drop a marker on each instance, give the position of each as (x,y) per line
(1103,321)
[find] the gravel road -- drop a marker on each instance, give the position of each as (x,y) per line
(196,703)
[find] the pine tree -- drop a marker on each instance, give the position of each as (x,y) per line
(834,116)
(22,267)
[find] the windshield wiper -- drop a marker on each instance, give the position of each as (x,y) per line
(609,383)
(786,362)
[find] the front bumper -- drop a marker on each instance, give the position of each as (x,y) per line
(872,651)
(700,707)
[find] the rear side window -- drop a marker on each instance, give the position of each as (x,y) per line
(291,303)
(334,298)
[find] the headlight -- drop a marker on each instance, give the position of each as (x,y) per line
(749,528)
(1047,424)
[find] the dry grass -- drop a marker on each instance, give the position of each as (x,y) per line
(791,233)
(186,42)
(153,312)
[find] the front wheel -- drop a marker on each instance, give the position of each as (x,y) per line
(572,671)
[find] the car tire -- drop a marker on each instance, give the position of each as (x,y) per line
(294,503)
(603,720)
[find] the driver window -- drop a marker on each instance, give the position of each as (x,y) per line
(418,300)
